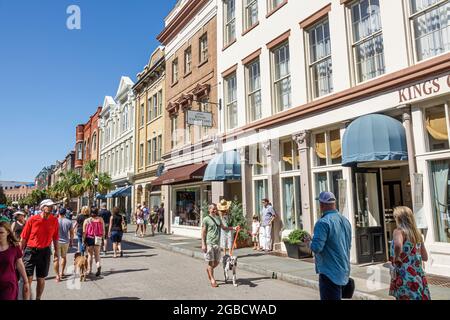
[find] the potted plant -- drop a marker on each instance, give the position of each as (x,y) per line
(296,246)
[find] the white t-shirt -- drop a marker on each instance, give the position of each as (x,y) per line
(255,226)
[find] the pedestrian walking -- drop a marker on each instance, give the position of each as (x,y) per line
(146,217)
(66,235)
(226,237)
(93,233)
(154,220)
(212,226)
(17,226)
(407,254)
(139,222)
(255,232)
(79,227)
(115,231)
(331,245)
(268,216)
(161,218)
(106,216)
(11,265)
(37,236)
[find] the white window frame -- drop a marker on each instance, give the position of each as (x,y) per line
(188,60)
(271,7)
(203,48)
(250,94)
(248,7)
(229,28)
(175,72)
(231,104)
(275,98)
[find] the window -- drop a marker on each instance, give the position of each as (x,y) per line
(436,124)
(126,156)
(94,142)
(292,204)
(231,101)
(250,13)
(289,156)
(160,101)
(320,66)
(159,148)
(141,155)
(441,199)
(125,119)
(203,54)
(258,160)
(254,91)
(368,49)
(273,4)
(174,130)
(430,27)
(80,151)
(175,71)
(328,150)
(155,106)
(149,152)
(142,114)
(261,192)
(229,11)
(328,181)
(149,109)
(155,150)
(188,60)
(204,106)
(281,78)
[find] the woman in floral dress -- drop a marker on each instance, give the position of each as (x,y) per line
(407,255)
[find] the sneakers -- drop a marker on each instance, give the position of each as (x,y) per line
(99,271)
(121,253)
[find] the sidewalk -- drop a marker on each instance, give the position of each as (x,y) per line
(372,281)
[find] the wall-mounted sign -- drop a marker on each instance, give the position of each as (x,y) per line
(197,118)
(424,89)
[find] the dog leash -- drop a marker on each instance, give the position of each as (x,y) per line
(235,240)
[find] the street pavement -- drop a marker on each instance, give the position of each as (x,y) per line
(152,273)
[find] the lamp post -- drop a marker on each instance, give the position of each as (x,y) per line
(95,189)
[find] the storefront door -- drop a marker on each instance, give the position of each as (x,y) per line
(393,197)
(370,238)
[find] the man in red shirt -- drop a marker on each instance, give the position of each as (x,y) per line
(37,236)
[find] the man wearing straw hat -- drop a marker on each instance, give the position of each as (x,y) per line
(212,225)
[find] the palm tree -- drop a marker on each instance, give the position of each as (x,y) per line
(69,186)
(91,176)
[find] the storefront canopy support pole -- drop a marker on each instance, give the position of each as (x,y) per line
(406,116)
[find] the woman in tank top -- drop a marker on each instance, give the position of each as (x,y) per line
(93,228)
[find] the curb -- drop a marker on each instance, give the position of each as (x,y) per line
(303,282)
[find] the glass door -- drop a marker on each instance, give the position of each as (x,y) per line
(370,240)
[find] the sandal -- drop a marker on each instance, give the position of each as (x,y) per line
(214,285)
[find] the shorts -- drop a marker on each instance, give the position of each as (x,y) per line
(145,221)
(106,228)
(213,254)
(62,250)
(116,236)
(140,221)
(38,259)
(255,238)
(90,242)
(226,240)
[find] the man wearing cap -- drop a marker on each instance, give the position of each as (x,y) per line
(331,245)
(37,236)
(66,235)
(17,226)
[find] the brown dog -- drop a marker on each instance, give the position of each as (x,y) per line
(81,265)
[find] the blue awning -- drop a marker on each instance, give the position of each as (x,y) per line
(120,192)
(100,196)
(124,192)
(374,137)
(225,166)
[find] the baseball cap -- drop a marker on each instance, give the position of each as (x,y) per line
(326,197)
(46,203)
(62,211)
(18,213)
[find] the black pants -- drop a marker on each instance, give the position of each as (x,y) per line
(329,290)
(160,225)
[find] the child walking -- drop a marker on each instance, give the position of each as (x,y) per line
(255,232)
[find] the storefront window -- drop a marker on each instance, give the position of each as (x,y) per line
(260,193)
(288,157)
(155,201)
(187,207)
(440,199)
(291,203)
(328,150)
(328,181)
(259,160)
(436,126)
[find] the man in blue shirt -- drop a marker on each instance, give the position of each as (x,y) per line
(331,245)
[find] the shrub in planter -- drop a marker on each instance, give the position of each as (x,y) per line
(296,246)
(237,218)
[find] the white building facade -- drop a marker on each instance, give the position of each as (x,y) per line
(117,132)
(297,78)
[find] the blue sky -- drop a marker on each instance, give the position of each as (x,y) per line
(53,78)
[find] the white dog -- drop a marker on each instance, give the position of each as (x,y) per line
(229,264)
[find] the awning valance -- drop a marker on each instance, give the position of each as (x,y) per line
(192,172)
(225,166)
(374,137)
(119,192)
